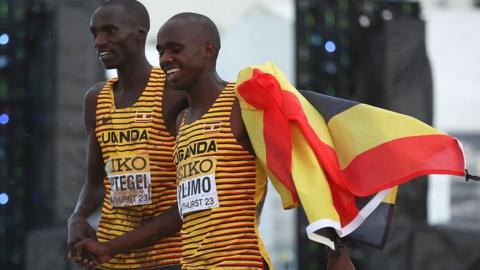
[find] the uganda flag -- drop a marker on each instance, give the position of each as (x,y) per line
(340,159)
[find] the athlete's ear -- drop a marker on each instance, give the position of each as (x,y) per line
(210,49)
(142,34)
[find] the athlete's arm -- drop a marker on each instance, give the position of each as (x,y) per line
(166,224)
(339,259)
(238,128)
(92,192)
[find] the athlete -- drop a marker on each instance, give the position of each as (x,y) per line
(221,187)
(130,171)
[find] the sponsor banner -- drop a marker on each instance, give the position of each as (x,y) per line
(130,180)
(196,188)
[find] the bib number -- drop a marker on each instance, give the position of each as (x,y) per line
(130,180)
(197,189)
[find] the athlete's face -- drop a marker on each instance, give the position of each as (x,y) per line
(181,49)
(113,36)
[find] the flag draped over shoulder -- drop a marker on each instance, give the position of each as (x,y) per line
(340,159)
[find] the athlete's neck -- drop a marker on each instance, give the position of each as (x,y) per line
(132,80)
(134,75)
(203,94)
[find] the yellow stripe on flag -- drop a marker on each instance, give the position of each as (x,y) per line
(310,181)
(367,120)
(391,197)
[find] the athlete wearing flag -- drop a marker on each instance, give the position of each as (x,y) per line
(220,189)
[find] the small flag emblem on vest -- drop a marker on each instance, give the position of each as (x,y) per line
(106,120)
(212,127)
(143,117)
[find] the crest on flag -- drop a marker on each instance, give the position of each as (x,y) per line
(143,116)
(212,127)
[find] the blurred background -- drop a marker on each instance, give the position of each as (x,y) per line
(415,57)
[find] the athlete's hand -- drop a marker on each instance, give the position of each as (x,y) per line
(340,260)
(100,250)
(79,229)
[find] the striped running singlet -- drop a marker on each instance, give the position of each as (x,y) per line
(214,170)
(140,183)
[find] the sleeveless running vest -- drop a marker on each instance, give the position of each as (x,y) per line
(220,188)
(140,183)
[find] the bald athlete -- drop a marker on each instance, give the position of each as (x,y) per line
(130,172)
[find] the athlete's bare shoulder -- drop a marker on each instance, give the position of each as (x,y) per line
(91,95)
(93,92)
(90,104)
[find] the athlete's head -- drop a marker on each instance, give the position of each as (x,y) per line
(119,29)
(188,45)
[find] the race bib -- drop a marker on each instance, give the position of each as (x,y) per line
(130,180)
(197,189)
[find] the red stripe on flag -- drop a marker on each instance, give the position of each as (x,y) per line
(343,200)
(397,161)
(259,91)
